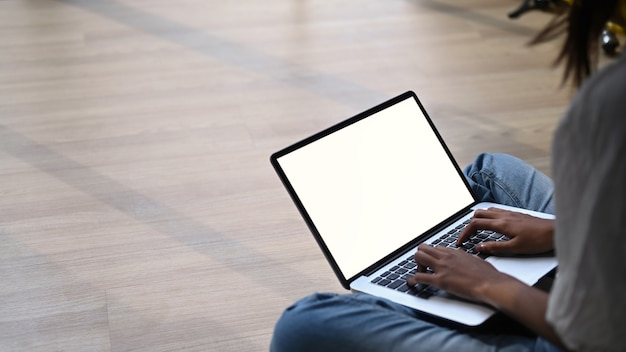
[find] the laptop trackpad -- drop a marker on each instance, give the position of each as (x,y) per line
(527,269)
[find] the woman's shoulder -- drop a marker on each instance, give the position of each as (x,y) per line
(599,106)
(607,87)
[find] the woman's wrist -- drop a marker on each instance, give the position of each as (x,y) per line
(499,290)
(523,303)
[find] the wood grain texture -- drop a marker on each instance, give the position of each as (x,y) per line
(138,208)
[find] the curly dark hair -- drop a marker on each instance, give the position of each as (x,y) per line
(582,23)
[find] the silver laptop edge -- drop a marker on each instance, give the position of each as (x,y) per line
(351,194)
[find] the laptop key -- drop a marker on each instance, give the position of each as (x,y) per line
(384,282)
(482,236)
(403,288)
(396,284)
(424,294)
(432,290)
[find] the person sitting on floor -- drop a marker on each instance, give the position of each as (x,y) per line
(585,309)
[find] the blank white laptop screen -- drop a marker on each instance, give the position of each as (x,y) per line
(375,185)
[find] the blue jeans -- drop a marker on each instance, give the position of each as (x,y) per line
(357,322)
(505,179)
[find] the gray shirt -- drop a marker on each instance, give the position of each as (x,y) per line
(587,306)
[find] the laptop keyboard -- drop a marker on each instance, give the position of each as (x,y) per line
(395,278)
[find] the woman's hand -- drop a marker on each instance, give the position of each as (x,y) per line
(456,272)
(475,279)
(528,234)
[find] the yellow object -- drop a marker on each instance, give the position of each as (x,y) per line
(614,27)
(610,25)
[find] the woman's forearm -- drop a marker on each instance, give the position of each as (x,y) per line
(526,304)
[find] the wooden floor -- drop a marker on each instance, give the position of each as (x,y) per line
(138,208)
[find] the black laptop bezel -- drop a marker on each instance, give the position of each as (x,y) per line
(345,282)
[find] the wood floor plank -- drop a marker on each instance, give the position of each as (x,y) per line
(138,208)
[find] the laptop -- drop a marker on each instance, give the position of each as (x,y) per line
(376,185)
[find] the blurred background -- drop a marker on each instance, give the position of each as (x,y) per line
(138,207)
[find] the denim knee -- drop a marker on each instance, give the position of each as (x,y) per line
(505,179)
(474,172)
(293,329)
(493,163)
